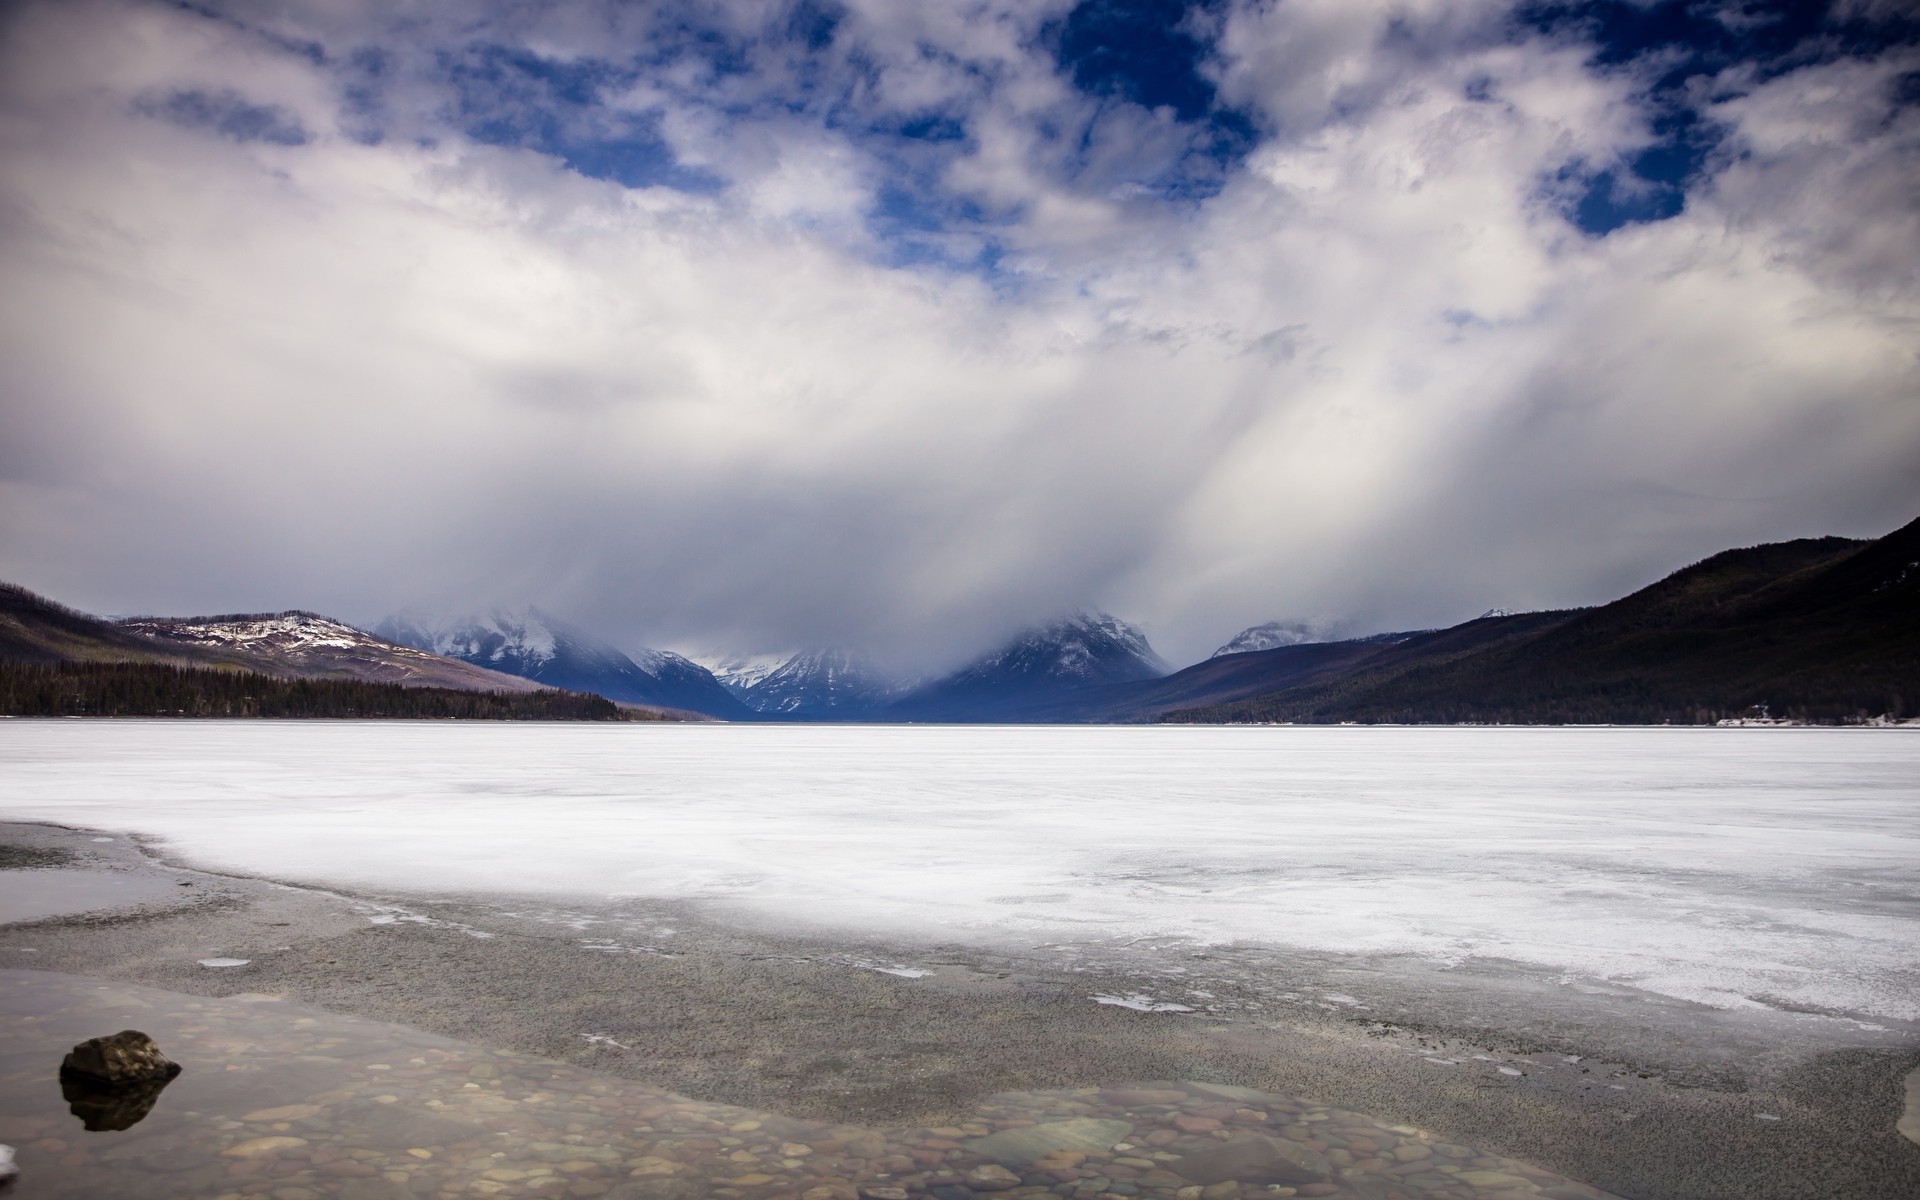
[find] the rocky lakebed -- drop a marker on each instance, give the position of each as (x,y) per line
(278,1101)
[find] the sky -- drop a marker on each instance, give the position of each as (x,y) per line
(903,324)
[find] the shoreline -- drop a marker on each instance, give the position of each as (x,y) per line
(1626,1092)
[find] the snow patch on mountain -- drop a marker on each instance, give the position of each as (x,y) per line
(278,632)
(302,644)
(738,673)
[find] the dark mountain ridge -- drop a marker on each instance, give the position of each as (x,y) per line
(34,629)
(1818,629)
(1250,673)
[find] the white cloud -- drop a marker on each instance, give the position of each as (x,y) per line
(1378,376)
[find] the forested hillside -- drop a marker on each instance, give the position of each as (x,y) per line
(158,690)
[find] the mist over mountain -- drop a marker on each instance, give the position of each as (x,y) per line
(738,673)
(1814,629)
(534,645)
(1277,633)
(1043,666)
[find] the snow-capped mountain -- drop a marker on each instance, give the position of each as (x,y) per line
(1038,668)
(300,644)
(738,673)
(533,645)
(1273,635)
(823,684)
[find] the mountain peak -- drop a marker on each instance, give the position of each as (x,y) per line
(1085,644)
(1039,667)
(826,682)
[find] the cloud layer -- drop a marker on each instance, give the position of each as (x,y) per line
(773,325)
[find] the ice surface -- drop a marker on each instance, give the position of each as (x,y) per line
(1719,865)
(1141,1002)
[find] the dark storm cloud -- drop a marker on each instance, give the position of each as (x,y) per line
(766,326)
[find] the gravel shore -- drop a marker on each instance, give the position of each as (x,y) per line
(1636,1095)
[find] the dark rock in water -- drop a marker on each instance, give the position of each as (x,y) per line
(1254,1160)
(109,1107)
(125,1057)
(110,1083)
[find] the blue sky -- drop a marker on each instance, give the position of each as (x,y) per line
(763,325)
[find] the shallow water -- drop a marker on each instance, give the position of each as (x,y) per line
(1734,867)
(282,1102)
(37,895)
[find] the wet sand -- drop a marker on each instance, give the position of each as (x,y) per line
(1639,1096)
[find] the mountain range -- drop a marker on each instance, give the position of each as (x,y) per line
(287,645)
(1819,629)
(55,661)
(534,645)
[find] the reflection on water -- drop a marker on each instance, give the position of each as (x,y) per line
(110,1107)
(283,1102)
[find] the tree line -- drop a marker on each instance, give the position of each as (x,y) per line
(127,689)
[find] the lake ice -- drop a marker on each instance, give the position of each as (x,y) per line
(1715,865)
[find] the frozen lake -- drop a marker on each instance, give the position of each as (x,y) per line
(1718,865)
